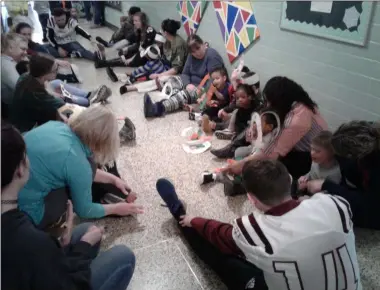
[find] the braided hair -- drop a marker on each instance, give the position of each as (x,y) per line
(356,139)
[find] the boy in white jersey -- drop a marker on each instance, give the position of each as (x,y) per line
(283,244)
(61,33)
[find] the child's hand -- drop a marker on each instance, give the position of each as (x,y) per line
(302,183)
(314,186)
(219,95)
(248,135)
(186,220)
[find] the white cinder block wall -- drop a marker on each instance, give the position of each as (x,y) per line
(343,79)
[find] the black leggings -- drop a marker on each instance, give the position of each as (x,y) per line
(234,272)
(298,163)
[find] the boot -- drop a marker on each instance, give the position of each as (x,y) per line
(225,152)
(116,62)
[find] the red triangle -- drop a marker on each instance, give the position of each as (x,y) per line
(217,4)
(231,57)
(245,15)
(198,19)
(187,28)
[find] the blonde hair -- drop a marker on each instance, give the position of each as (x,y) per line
(97,128)
(10,39)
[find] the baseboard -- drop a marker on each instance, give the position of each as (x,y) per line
(111,26)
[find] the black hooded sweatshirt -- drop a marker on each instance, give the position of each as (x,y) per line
(32,259)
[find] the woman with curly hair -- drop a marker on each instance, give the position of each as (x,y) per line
(357,149)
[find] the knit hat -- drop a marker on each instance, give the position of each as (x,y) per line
(152,52)
(160,38)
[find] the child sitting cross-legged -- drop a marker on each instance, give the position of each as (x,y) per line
(218,95)
(324,165)
(280,242)
(246,104)
(269,123)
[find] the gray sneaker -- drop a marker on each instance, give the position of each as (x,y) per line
(128,132)
(100,95)
(224,134)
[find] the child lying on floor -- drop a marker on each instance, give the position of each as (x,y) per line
(269,122)
(324,165)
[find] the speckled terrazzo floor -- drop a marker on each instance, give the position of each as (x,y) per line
(164,261)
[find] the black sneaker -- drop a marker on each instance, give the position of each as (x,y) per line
(111,198)
(100,95)
(225,152)
(128,132)
(207,177)
(102,41)
(111,74)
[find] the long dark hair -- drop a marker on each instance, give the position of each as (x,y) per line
(21,26)
(171,26)
(282,92)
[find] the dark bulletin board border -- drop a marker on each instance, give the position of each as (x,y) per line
(114,4)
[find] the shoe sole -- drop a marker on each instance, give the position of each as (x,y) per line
(223,135)
(129,130)
(111,74)
(101,96)
(75,70)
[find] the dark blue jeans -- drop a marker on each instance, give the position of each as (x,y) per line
(87,10)
(76,46)
(43,20)
(111,269)
(99,12)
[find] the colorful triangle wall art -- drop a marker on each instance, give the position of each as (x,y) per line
(238,26)
(191,14)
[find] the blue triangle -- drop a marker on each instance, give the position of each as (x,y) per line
(231,15)
(184,19)
(241,48)
(252,20)
(196,25)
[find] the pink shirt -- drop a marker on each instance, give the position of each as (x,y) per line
(301,125)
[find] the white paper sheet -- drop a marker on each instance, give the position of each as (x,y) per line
(324,7)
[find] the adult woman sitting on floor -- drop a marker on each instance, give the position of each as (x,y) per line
(174,55)
(63,162)
(130,55)
(35,101)
(201,61)
(357,150)
(301,122)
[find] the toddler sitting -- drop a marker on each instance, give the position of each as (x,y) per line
(324,165)
(263,129)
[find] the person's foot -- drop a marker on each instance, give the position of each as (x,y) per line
(128,132)
(206,124)
(232,188)
(111,74)
(75,54)
(150,109)
(168,194)
(207,177)
(225,152)
(75,72)
(123,89)
(102,41)
(100,95)
(224,134)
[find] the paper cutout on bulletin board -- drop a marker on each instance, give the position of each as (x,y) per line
(238,26)
(191,14)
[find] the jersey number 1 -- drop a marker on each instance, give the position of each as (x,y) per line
(290,269)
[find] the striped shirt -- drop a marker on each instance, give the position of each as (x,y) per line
(63,35)
(151,67)
(301,125)
(299,244)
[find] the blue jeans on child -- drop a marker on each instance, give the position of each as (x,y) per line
(111,269)
(71,47)
(79,96)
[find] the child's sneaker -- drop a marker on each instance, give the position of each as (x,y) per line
(75,54)
(75,72)
(208,177)
(168,194)
(111,74)
(224,134)
(128,132)
(100,95)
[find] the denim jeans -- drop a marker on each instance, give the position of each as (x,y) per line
(79,96)
(76,46)
(44,17)
(87,10)
(99,12)
(111,269)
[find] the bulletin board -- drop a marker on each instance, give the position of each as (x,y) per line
(345,21)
